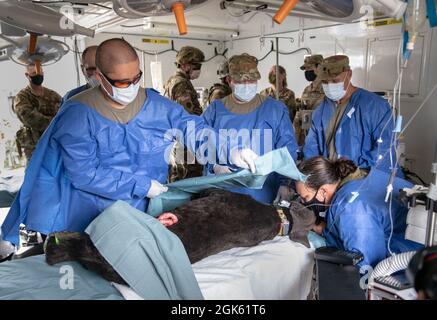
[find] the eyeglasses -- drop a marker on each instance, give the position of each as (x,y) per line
(123,83)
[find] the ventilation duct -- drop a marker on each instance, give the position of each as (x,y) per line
(39,19)
(332,10)
(148,8)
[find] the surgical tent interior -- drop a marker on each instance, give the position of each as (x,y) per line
(392,52)
(274,269)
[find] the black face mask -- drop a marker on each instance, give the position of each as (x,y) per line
(37,79)
(315,205)
(310,75)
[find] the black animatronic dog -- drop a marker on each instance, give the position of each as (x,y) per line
(217,220)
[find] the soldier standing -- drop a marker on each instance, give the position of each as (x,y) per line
(312,95)
(285,95)
(35,107)
(222,89)
(265,120)
(180,89)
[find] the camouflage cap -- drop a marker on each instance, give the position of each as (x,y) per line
(244,67)
(311,61)
(332,66)
(223,69)
(187,55)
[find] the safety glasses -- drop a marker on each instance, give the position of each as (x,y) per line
(123,83)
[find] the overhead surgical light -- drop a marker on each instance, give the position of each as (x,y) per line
(284,10)
(30,50)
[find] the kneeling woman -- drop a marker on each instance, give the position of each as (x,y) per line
(357,216)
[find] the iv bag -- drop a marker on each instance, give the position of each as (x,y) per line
(415,19)
(156,73)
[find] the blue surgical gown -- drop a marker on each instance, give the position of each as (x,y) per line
(84,162)
(358,218)
(366,120)
(73,92)
(266,128)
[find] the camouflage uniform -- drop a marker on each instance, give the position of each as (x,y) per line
(220,90)
(35,112)
(286,96)
(243,67)
(180,89)
(312,96)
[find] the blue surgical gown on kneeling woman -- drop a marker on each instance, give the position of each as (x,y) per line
(266,128)
(358,218)
(84,162)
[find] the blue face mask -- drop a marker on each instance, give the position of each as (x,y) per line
(245,91)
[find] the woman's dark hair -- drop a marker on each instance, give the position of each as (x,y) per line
(322,171)
(272,74)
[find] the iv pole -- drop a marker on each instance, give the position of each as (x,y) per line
(277,69)
(431,204)
(277,60)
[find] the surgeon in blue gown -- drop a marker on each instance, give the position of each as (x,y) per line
(108,143)
(88,66)
(357,218)
(350,122)
(261,122)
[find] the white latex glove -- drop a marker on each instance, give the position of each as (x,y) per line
(156,189)
(218,169)
(284,193)
(244,158)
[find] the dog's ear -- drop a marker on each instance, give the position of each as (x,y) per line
(303,221)
(301,215)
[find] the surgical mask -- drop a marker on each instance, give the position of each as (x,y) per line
(245,91)
(195,74)
(37,79)
(124,96)
(310,75)
(335,91)
(92,81)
